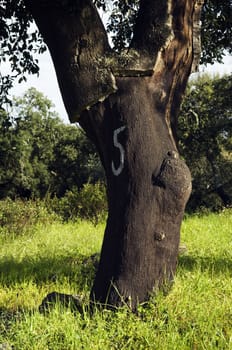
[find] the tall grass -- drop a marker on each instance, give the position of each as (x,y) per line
(196,313)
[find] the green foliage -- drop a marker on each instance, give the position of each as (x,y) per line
(196,313)
(121,22)
(40,154)
(75,161)
(92,204)
(9,154)
(19,44)
(205,133)
(26,146)
(88,203)
(216,30)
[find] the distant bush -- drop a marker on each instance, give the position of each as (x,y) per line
(21,216)
(18,216)
(87,203)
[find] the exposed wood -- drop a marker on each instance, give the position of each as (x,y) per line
(130,63)
(197,35)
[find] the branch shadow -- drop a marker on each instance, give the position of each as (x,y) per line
(205,263)
(79,269)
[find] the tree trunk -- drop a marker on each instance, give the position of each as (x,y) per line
(133,127)
(148,186)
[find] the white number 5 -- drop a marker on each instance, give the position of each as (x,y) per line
(118,145)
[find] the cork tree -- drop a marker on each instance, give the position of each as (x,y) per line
(127,101)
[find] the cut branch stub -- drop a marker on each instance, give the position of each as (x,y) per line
(130,63)
(77,42)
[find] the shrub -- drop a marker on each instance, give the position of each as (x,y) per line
(88,203)
(92,204)
(18,216)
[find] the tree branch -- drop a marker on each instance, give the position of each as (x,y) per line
(77,40)
(163,21)
(152,27)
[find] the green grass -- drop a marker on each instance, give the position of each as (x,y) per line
(196,314)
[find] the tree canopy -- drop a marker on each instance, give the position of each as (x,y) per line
(20,41)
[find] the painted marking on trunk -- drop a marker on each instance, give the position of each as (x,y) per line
(118,145)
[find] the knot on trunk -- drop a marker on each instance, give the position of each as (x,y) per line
(159,236)
(174,176)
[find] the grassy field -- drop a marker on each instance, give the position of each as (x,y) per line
(196,314)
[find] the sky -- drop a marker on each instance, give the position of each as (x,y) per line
(47,82)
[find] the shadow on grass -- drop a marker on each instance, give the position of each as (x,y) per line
(7,317)
(206,263)
(80,269)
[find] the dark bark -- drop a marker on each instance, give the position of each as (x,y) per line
(78,43)
(146,199)
(148,184)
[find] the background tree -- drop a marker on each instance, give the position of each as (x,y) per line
(30,137)
(216,30)
(9,156)
(75,161)
(40,154)
(205,140)
(37,124)
(128,104)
